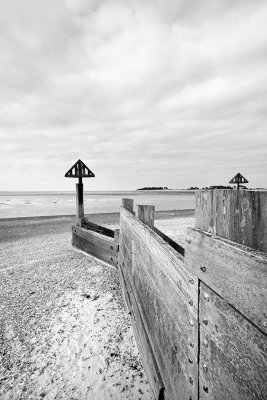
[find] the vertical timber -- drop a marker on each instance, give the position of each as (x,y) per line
(79,202)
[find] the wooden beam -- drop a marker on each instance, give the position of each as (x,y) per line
(91,226)
(79,203)
(167,297)
(97,239)
(146,214)
(128,205)
(233,352)
(94,250)
(140,334)
(238,215)
(235,272)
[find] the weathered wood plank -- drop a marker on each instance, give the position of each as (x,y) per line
(87,224)
(128,205)
(235,272)
(233,352)
(93,249)
(170,242)
(238,215)
(142,340)
(146,214)
(97,239)
(167,296)
(79,202)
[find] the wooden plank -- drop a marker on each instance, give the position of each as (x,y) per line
(167,296)
(128,205)
(146,214)
(94,250)
(142,340)
(87,224)
(170,242)
(171,323)
(238,215)
(235,272)
(233,352)
(97,239)
(79,202)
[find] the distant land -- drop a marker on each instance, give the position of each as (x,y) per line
(197,188)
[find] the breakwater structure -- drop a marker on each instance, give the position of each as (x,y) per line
(199,312)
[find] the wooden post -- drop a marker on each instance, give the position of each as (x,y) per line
(237,215)
(146,214)
(128,205)
(117,236)
(79,202)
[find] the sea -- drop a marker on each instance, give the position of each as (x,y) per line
(30,204)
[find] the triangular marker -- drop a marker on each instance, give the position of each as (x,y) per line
(79,170)
(238,179)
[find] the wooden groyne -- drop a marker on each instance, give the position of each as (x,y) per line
(199,313)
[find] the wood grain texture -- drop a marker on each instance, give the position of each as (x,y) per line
(79,202)
(167,297)
(140,334)
(146,214)
(235,272)
(94,249)
(128,204)
(87,224)
(233,352)
(238,215)
(170,242)
(105,242)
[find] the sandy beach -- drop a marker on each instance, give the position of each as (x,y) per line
(64,329)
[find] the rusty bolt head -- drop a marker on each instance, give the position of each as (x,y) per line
(203,269)
(191,344)
(191,281)
(264,323)
(190,360)
(191,380)
(205,321)
(191,322)
(190,302)
(188,239)
(205,342)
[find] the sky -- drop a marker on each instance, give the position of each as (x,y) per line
(145,92)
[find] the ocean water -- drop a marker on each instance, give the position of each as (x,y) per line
(29,204)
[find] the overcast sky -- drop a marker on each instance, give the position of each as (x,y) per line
(146,92)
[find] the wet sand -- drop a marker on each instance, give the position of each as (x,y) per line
(64,329)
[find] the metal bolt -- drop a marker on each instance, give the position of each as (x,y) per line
(191,302)
(111,247)
(190,361)
(188,239)
(191,344)
(203,269)
(191,380)
(205,321)
(205,388)
(205,342)
(191,322)
(191,281)
(264,323)
(190,398)
(206,296)
(205,367)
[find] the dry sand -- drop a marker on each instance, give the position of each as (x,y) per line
(64,329)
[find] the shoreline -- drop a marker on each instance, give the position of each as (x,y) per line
(159,214)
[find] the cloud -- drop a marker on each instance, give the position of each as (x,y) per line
(146,92)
